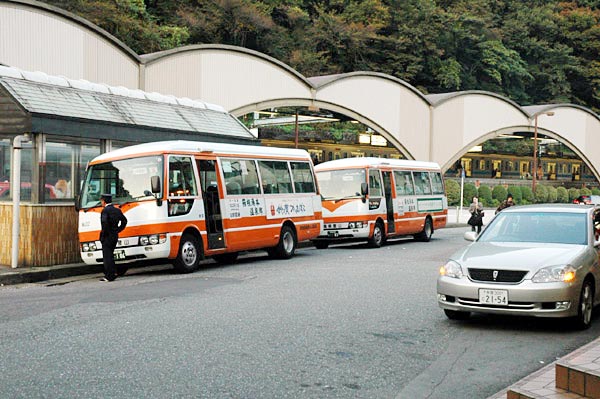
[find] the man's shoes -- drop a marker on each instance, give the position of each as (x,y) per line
(104,279)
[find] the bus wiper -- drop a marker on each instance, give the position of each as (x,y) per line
(347,197)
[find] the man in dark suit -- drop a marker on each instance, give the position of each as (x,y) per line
(113,222)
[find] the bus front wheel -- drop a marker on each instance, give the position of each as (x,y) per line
(378,237)
(286,247)
(189,255)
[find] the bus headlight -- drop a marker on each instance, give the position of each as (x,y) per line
(144,240)
(88,246)
(85,247)
(153,239)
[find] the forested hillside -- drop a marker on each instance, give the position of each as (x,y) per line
(534,51)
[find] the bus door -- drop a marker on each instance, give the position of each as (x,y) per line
(212,204)
(389,201)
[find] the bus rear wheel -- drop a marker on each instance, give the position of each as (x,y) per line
(425,235)
(286,247)
(189,255)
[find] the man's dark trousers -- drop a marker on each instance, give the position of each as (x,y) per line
(108,247)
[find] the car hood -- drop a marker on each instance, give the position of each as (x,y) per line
(517,256)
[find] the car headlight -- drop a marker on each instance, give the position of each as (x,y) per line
(451,269)
(553,274)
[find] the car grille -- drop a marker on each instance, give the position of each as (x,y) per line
(504,276)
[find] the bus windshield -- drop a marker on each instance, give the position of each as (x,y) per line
(339,184)
(127,180)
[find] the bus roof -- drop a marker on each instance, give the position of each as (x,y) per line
(363,162)
(197,147)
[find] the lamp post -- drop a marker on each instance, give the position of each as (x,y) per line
(535,148)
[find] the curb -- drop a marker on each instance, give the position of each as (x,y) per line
(37,274)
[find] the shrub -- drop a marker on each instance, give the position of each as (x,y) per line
(485,196)
(527,195)
(573,193)
(585,191)
(516,193)
(499,194)
(552,194)
(452,192)
(541,194)
(562,195)
(595,191)
(469,192)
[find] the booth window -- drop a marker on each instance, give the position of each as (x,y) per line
(5,172)
(65,167)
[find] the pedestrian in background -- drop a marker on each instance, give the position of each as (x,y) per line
(113,222)
(506,203)
(476,211)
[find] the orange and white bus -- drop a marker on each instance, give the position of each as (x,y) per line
(377,198)
(186,200)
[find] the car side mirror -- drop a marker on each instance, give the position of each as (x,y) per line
(470,236)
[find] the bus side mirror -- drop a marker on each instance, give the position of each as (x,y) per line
(364,190)
(155,184)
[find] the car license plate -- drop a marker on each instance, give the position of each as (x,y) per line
(119,254)
(493,297)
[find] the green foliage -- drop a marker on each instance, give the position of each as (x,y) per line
(499,193)
(562,195)
(485,196)
(527,195)
(469,191)
(595,191)
(531,52)
(453,192)
(552,194)
(573,193)
(517,194)
(585,191)
(541,194)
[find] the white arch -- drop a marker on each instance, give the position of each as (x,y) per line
(38,37)
(440,127)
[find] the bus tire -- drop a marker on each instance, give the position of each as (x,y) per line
(286,247)
(189,255)
(226,259)
(321,244)
(376,240)
(425,235)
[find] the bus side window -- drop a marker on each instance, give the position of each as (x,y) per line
(374,183)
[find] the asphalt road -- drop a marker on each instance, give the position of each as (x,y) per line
(346,322)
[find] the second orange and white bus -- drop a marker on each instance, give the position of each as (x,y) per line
(185,200)
(374,199)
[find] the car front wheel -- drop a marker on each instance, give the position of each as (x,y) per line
(586,306)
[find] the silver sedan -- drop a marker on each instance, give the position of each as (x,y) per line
(535,260)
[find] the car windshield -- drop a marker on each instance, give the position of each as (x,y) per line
(542,227)
(338,184)
(127,180)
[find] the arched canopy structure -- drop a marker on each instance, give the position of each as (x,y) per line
(436,128)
